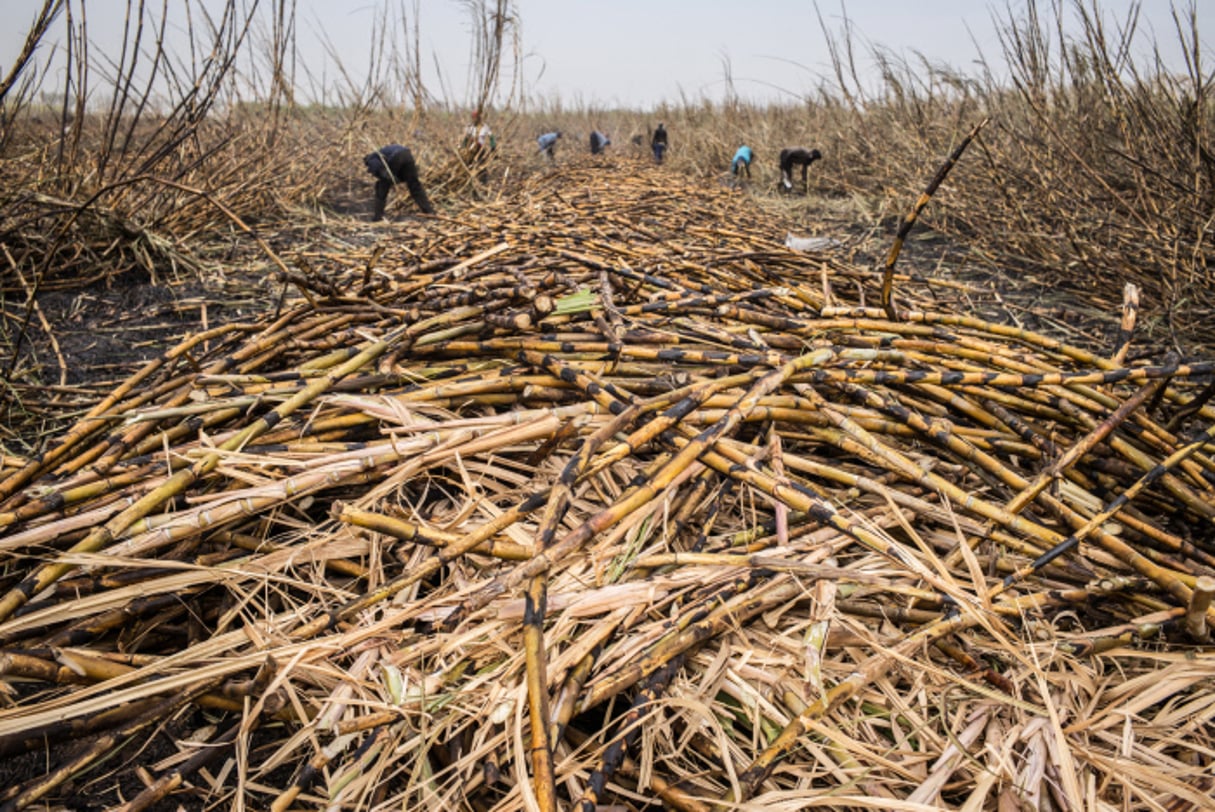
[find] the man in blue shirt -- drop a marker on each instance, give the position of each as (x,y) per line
(391,165)
(598,142)
(548,143)
(742,160)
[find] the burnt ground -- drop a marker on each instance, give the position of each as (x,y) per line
(78,345)
(993,289)
(117,785)
(158,749)
(105,329)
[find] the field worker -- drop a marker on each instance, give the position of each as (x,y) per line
(391,165)
(790,158)
(477,145)
(742,160)
(548,143)
(478,137)
(599,142)
(658,143)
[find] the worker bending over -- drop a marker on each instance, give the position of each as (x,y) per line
(797,156)
(391,165)
(742,161)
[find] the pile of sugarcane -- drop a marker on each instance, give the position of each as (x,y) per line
(600,497)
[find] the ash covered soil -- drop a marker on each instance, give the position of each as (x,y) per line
(107,329)
(78,345)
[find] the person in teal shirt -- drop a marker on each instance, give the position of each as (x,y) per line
(742,160)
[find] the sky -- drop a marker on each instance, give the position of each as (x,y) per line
(640,53)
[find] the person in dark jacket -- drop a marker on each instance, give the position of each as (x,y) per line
(599,141)
(391,165)
(790,158)
(658,143)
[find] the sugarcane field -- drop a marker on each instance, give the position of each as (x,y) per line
(367,444)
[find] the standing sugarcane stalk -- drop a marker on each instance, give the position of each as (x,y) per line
(913,215)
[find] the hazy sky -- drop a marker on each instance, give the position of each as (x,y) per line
(637,53)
